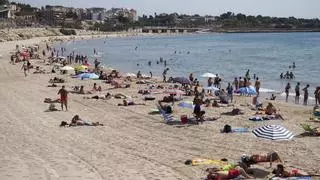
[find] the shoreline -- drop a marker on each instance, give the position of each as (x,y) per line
(132,143)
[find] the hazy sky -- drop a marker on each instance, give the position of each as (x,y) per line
(283,8)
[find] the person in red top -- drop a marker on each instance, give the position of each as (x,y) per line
(63,97)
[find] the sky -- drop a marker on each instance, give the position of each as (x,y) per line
(278,8)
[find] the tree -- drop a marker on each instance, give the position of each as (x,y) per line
(3,2)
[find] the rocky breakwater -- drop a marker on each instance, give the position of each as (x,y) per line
(26,33)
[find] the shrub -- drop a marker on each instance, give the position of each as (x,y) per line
(68,32)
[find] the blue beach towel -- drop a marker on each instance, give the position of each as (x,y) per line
(240,130)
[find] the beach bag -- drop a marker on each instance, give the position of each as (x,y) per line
(227,129)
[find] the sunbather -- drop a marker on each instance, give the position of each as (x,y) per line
(77,121)
(49,100)
(280,172)
(227,173)
(130,103)
(257,158)
(271,110)
(53,85)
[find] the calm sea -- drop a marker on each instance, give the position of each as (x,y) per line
(230,55)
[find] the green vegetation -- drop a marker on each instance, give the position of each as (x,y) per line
(68,32)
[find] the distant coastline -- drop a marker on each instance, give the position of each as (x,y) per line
(264,30)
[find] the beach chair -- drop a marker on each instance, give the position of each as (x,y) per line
(167,117)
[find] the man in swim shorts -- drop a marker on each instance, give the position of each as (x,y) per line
(63,97)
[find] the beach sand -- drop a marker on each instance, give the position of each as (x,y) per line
(132,144)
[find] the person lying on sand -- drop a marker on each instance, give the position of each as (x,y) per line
(49,100)
(216,104)
(77,121)
(231,172)
(234,112)
(53,85)
(257,158)
(280,172)
(130,103)
(80,91)
(103,97)
(56,80)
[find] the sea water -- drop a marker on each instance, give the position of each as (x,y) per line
(229,55)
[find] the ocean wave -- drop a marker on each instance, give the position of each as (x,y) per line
(293,94)
(265,90)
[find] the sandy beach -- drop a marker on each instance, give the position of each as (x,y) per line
(132,144)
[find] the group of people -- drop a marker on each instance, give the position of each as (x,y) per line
(242,168)
(305,93)
(287,75)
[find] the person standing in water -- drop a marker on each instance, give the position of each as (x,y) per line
(164,74)
(293,65)
(236,83)
(248,74)
(287,89)
(305,95)
(297,89)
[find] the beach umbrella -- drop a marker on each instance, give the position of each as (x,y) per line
(247,90)
(181,80)
(67,68)
(207,75)
(212,88)
(88,76)
(81,68)
(273,132)
(173,91)
(186,104)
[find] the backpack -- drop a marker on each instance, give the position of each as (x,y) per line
(227,128)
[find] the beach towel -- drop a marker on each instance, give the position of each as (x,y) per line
(239,130)
(263,118)
(195,162)
(293,178)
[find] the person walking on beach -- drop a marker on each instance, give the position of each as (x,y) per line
(164,74)
(25,68)
(236,83)
(297,89)
(257,85)
(306,95)
(317,95)
(63,97)
(288,87)
(230,92)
